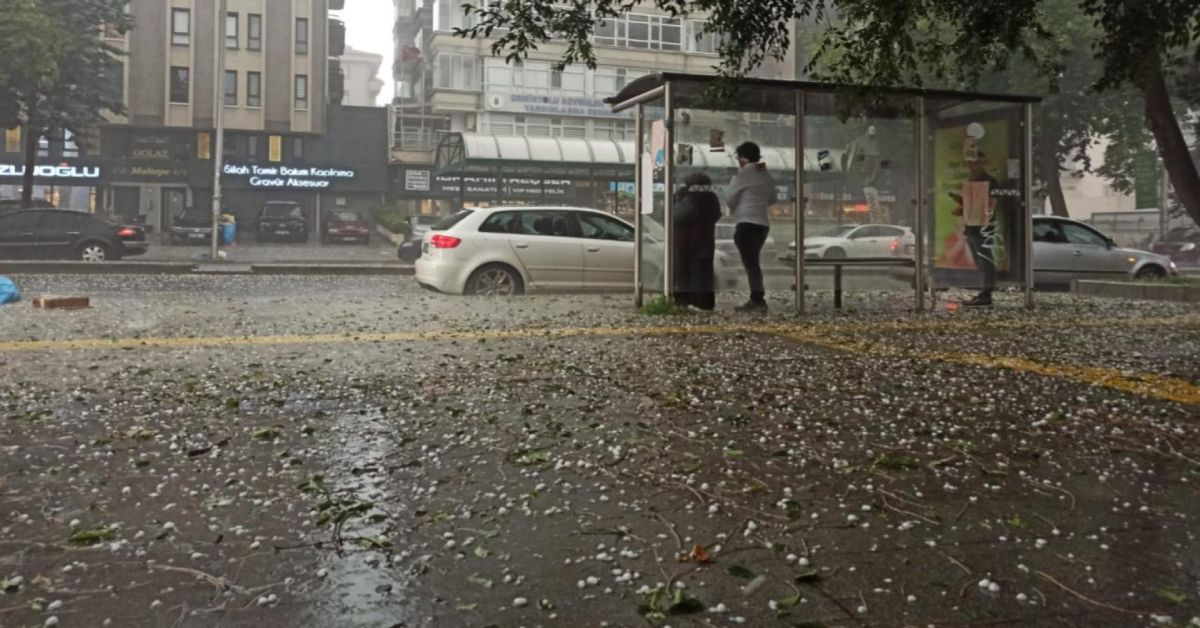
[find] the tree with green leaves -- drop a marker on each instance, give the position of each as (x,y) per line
(29,51)
(885,43)
(82,81)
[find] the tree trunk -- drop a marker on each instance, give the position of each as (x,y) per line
(1160,117)
(1051,175)
(31,146)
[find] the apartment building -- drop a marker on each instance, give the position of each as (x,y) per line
(453,93)
(287,137)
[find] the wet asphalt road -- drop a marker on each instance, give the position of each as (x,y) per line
(291,451)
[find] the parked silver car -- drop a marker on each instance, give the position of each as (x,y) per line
(1065,250)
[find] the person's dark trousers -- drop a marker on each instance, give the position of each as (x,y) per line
(702,282)
(983,256)
(750,239)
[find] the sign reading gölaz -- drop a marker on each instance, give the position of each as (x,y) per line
(289,177)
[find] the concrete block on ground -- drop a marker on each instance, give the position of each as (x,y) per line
(60,302)
(1163,292)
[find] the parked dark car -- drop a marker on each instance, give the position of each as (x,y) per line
(282,220)
(65,234)
(1182,245)
(13,204)
(192,226)
(346,226)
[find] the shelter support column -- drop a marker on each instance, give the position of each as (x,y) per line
(919,270)
(639,149)
(1027,204)
(669,199)
(800,204)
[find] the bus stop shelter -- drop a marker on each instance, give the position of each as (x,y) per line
(914,167)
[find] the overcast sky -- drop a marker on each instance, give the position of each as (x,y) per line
(369,26)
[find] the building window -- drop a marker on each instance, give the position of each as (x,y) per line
(231,88)
(298,148)
(301,35)
(635,30)
(181,27)
(620,130)
(70,146)
(43,146)
(301,91)
(275,148)
(448,15)
(253,89)
(252,146)
(231,31)
(698,41)
(181,85)
(455,71)
(555,79)
(253,32)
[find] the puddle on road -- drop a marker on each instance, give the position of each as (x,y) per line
(364,585)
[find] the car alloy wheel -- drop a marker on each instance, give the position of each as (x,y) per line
(93,253)
(494,282)
(1151,273)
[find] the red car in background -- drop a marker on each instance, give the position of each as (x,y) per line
(345,226)
(1182,245)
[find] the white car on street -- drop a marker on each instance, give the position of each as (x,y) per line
(857,241)
(502,251)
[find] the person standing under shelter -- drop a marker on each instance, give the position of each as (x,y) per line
(697,210)
(978,207)
(751,193)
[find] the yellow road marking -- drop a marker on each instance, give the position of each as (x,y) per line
(817,333)
(816,329)
(1142,384)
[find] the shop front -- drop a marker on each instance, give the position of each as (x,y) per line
(149,173)
(317,188)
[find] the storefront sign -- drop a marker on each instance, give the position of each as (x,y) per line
(286,177)
(422,181)
(553,105)
(416,180)
(44,171)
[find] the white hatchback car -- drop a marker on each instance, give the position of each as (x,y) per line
(502,251)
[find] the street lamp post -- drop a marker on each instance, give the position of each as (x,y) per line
(219,119)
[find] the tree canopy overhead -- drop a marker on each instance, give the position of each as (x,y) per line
(1152,46)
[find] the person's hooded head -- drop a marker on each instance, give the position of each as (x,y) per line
(748,153)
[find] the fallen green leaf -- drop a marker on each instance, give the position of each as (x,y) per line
(91,537)
(738,571)
(808,576)
(683,604)
(1172,596)
(479,580)
(482,552)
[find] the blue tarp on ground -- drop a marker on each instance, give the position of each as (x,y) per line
(9,292)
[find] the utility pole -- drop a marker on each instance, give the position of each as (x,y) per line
(219,119)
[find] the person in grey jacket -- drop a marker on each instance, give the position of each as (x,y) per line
(751,192)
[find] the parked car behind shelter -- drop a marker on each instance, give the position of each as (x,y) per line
(282,220)
(1182,245)
(65,234)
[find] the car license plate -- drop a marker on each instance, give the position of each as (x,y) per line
(281,232)
(196,236)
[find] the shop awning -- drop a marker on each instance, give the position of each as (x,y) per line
(473,153)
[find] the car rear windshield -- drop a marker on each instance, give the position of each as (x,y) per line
(282,211)
(346,217)
(195,215)
(452,220)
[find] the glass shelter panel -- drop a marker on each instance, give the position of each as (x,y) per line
(757,200)
(976,174)
(861,190)
(652,144)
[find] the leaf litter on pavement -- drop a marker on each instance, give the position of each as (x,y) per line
(740,479)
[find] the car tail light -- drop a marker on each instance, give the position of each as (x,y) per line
(896,245)
(444,242)
(127,232)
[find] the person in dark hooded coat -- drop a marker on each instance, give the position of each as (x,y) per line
(697,210)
